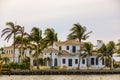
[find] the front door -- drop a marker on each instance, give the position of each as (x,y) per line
(55,63)
(69,62)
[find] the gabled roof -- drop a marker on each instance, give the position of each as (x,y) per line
(50,50)
(65,53)
(69,42)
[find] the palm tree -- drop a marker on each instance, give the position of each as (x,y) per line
(2,50)
(6,60)
(88,49)
(23,42)
(24,39)
(111,50)
(51,37)
(11,30)
(104,53)
(36,38)
(78,32)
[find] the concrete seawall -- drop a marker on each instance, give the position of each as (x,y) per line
(60,72)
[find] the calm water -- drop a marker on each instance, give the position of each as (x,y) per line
(61,77)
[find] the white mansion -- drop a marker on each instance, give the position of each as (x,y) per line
(64,53)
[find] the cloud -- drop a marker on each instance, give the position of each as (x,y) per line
(100,16)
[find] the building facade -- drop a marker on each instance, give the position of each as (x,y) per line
(63,53)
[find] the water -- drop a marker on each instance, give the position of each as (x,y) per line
(60,77)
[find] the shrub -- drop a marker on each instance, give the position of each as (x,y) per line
(116,65)
(25,63)
(57,67)
(14,65)
(5,66)
(65,67)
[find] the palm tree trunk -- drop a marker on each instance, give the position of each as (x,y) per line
(111,62)
(37,56)
(79,56)
(51,58)
(22,57)
(87,63)
(14,49)
(79,62)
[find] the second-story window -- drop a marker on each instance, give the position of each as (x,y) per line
(63,61)
(60,48)
(73,49)
(67,47)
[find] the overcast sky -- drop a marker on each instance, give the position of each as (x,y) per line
(100,16)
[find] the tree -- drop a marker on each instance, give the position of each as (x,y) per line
(36,38)
(51,37)
(11,30)
(78,32)
(88,49)
(22,43)
(103,53)
(2,50)
(6,60)
(23,40)
(111,50)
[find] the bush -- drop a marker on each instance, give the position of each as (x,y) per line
(5,66)
(57,67)
(65,67)
(116,65)
(23,66)
(14,65)
(25,63)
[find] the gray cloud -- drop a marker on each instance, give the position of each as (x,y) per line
(100,16)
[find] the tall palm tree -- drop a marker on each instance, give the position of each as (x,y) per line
(103,53)
(36,38)
(88,49)
(111,50)
(11,31)
(23,42)
(50,37)
(78,32)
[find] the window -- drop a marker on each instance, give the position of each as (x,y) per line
(69,62)
(55,64)
(67,47)
(96,61)
(63,61)
(76,61)
(83,61)
(103,62)
(11,51)
(73,49)
(92,61)
(60,48)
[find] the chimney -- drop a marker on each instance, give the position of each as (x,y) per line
(99,43)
